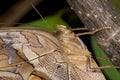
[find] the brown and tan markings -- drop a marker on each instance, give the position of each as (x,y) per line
(60,57)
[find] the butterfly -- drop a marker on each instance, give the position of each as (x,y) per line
(51,56)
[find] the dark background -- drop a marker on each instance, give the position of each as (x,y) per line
(46,8)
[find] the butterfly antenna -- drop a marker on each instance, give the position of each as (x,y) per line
(40,15)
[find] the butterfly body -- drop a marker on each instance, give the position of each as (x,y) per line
(78,54)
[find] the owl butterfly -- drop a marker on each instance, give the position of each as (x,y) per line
(29,53)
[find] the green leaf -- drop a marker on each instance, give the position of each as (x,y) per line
(50,22)
(115,4)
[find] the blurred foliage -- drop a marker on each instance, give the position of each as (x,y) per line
(50,22)
(115,4)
